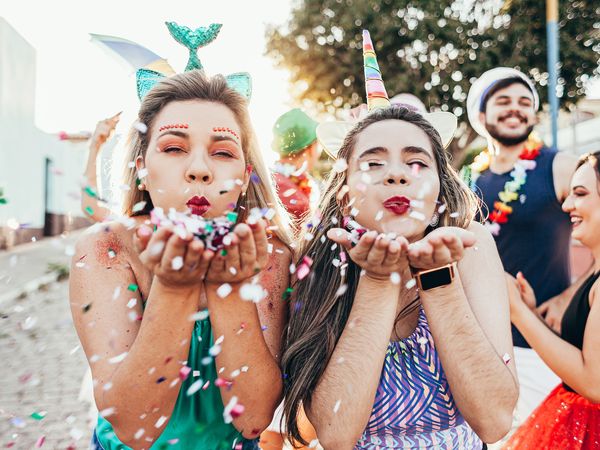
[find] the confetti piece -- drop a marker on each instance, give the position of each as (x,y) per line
(132,287)
(177,263)
(89,211)
(139,433)
(131,303)
(287,293)
(214,350)
(184,372)
(90,191)
(200,315)
(341,290)
(340,165)
(506,358)
(111,253)
(395,278)
(39,415)
(411,283)
(379,216)
(139,206)
(417,215)
(442,208)
(40,442)
(160,422)
(224,290)
(336,407)
(142,128)
(454,214)
(142,173)
(313,443)
(252,292)
(194,387)
(117,359)
(107,412)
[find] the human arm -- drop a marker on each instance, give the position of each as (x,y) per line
(251,332)
(552,310)
(343,398)
(469,320)
(131,349)
(90,204)
(580,369)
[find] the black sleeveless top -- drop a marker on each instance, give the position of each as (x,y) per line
(576,315)
(536,239)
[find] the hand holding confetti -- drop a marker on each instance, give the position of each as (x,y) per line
(379,255)
(442,246)
(244,254)
(176,259)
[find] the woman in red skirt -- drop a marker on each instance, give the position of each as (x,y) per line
(569,418)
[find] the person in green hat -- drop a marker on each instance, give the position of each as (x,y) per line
(295,139)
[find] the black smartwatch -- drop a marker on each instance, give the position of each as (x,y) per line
(433,278)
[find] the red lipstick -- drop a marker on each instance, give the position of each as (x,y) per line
(397,204)
(198,205)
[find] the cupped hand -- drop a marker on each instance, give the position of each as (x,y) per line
(442,246)
(176,260)
(379,255)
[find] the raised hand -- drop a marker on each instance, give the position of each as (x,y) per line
(245,254)
(442,246)
(378,254)
(103,130)
(177,261)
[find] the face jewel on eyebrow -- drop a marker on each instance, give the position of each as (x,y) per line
(172,126)
(226,130)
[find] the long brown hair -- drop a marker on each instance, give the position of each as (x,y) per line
(194,85)
(319,313)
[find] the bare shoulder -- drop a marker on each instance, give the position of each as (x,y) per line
(106,243)
(484,254)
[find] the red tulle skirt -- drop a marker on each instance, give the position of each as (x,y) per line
(564,421)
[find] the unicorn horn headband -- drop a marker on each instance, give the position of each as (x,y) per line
(146,78)
(331,134)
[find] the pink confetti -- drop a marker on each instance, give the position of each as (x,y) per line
(184,372)
(40,442)
(302,271)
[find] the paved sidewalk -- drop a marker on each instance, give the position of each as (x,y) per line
(42,364)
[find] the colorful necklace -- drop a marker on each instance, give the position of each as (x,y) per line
(510,193)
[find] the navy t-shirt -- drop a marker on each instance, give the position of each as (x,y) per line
(536,238)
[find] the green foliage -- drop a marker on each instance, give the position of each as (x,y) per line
(432,49)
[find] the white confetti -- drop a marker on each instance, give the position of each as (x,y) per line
(142,173)
(107,412)
(336,407)
(379,215)
(224,290)
(410,283)
(132,302)
(395,278)
(417,215)
(506,358)
(139,433)
(160,422)
(200,315)
(252,292)
(139,206)
(118,358)
(142,128)
(340,165)
(341,290)
(177,263)
(116,293)
(442,208)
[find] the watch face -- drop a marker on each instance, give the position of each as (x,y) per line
(436,278)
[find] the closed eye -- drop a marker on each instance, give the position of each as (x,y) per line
(173,150)
(418,163)
(376,163)
(223,153)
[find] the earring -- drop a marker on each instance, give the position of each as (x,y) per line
(435,220)
(142,186)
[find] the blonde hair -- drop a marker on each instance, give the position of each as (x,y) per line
(194,85)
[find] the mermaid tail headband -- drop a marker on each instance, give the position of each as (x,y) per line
(147,78)
(331,135)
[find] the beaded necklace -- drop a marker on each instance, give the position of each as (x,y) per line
(510,193)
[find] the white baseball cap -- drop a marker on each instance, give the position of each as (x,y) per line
(482,85)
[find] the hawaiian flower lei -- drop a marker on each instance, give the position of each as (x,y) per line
(510,193)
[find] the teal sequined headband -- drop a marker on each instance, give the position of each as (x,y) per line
(146,79)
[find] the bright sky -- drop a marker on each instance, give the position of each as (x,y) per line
(78,83)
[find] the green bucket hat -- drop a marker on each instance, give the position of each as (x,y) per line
(293,131)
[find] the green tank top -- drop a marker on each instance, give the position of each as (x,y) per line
(197,420)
